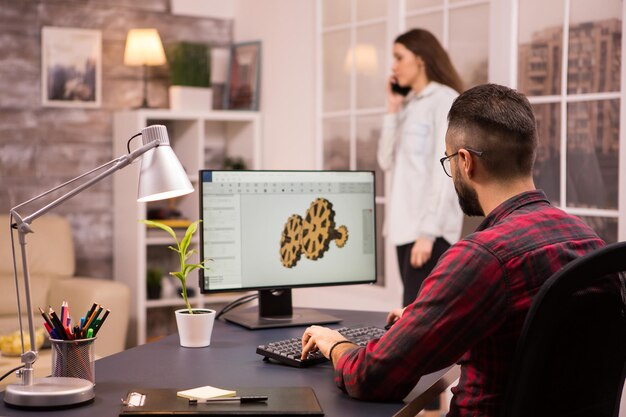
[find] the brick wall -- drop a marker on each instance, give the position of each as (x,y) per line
(41,147)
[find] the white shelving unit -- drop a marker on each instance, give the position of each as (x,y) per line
(194,136)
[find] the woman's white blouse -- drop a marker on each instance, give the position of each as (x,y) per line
(422,202)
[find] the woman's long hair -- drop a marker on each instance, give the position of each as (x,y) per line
(439,68)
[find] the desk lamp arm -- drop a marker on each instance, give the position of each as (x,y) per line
(22,225)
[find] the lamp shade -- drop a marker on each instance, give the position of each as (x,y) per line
(161,175)
(144,47)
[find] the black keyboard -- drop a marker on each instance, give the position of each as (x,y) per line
(288,351)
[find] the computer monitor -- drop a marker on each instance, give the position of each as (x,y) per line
(272,231)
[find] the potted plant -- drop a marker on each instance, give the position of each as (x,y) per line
(234,163)
(190,76)
(195,325)
(153,283)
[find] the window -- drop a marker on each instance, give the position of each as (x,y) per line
(461,28)
(575,90)
(355,39)
(354,67)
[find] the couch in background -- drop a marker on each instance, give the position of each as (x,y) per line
(51,262)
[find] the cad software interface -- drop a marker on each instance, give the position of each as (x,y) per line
(265,229)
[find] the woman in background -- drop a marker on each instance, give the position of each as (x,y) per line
(424,217)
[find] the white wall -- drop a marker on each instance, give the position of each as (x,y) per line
(286,29)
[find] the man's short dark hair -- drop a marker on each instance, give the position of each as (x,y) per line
(498,121)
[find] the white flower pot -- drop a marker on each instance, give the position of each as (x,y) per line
(190,98)
(194,330)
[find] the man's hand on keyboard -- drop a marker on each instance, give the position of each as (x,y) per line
(319,338)
(317,344)
(393,316)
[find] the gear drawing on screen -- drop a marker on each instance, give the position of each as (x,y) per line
(291,241)
(311,235)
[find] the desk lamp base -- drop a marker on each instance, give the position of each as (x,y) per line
(52,392)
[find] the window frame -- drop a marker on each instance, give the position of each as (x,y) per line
(389,294)
(508,14)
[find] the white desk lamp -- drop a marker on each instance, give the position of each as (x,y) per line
(161,176)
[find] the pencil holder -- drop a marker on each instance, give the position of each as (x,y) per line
(74,358)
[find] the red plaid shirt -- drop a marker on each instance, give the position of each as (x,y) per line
(471,308)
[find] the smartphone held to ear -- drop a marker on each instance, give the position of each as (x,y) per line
(397,89)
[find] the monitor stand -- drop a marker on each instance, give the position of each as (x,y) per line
(276,310)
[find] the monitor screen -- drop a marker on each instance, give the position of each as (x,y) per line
(272,231)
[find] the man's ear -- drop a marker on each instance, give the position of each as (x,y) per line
(466,163)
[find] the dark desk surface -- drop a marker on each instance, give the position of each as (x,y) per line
(229,362)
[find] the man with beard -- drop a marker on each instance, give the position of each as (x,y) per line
(471,308)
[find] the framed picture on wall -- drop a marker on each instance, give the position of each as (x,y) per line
(244,75)
(71,67)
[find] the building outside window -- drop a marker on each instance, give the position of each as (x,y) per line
(565,55)
(569,65)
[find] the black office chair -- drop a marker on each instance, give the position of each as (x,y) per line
(571,357)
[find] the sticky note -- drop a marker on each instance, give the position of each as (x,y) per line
(205,393)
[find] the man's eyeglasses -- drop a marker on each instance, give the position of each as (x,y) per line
(445,161)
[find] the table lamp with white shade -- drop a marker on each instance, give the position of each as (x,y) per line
(161,176)
(144,48)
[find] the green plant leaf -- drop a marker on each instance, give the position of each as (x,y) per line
(180,275)
(192,267)
(162,227)
(184,243)
(190,253)
(188,268)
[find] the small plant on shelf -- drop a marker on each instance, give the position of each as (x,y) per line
(189,64)
(184,253)
(153,283)
(234,163)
